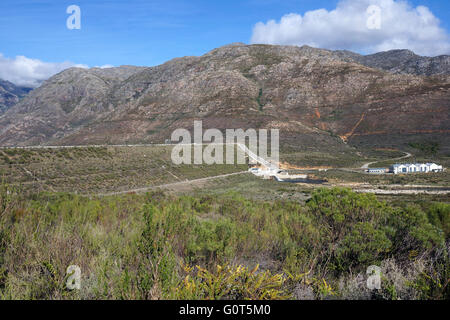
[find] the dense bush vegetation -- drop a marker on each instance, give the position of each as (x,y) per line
(426,147)
(157,246)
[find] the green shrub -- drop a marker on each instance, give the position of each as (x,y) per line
(232,282)
(135,246)
(439,215)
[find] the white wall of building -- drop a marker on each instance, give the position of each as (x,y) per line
(416,167)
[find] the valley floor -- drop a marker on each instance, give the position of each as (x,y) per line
(107,170)
(140,227)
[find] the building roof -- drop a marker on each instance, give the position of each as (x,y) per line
(413,164)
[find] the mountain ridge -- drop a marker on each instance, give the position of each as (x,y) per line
(10,94)
(401,61)
(314,96)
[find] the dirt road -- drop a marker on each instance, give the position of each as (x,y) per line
(366,165)
(172,185)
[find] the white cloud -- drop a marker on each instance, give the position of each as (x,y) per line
(105,66)
(30,72)
(402,27)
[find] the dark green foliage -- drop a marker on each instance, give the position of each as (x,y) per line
(427,147)
(439,215)
(258,99)
(138,247)
(352,226)
(158,266)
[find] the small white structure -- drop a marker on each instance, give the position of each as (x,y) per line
(377,170)
(265,173)
(277,174)
(415,167)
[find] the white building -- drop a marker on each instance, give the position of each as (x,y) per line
(277,174)
(377,170)
(415,167)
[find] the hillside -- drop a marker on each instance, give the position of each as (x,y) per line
(90,170)
(401,62)
(317,98)
(10,94)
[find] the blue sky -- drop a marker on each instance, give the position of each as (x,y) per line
(146,32)
(135,32)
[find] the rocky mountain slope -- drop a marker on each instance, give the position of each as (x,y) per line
(315,97)
(401,62)
(10,94)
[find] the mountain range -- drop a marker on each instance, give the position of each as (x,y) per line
(316,97)
(401,62)
(10,94)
